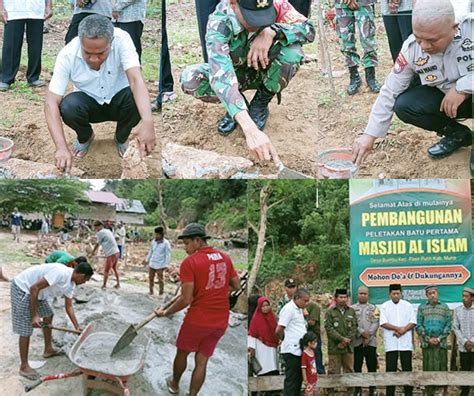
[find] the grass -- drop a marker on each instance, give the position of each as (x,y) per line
(12,253)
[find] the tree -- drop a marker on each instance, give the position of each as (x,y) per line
(43,196)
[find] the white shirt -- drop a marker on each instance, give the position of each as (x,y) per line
(121,234)
(58,276)
(292,318)
(159,255)
(266,356)
(107,242)
(25,9)
(102,84)
(400,315)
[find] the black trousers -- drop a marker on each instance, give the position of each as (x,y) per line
(302,6)
(369,354)
(79,110)
(11,52)
(398,28)
(420,105)
(165,81)
(135,30)
(293,376)
(204,8)
(467,364)
(391,365)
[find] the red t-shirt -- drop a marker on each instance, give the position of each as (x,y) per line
(210,270)
(309,364)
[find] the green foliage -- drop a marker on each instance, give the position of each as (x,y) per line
(304,240)
(232,212)
(189,200)
(43,196)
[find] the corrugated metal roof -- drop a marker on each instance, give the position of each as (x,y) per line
(130,206)
(103,197)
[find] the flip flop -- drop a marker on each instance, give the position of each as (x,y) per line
(31,377)
(80,149)
(57,353)
(121,148)
(170,388)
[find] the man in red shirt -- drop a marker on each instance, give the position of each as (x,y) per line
(207,276)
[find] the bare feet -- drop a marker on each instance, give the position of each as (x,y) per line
(173,388)
(29,373)
(51,353)
(104,287)
(150,293)
(117,286)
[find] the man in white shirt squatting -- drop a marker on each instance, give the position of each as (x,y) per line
(398,319)
(158,259)
(29,294)
(103,65)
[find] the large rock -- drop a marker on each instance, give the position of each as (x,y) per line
(133,166)
(181,162)
(16,168)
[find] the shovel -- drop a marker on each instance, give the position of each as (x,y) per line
(287,173)
(129,335)
(65,329)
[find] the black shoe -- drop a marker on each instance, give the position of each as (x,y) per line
(357,392)
(453,140)
(156,106)
(226,125)
(355,81)
(258,108)
(371,81)
(372,392)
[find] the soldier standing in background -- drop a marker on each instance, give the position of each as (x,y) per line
(341,329)
(348,14)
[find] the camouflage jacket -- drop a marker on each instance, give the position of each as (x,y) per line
(340,3)
(228,44)
(338,326)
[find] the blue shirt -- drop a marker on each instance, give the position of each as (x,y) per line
(159,255)
(16,218)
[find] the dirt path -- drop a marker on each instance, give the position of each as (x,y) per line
(22,118)
(226,370)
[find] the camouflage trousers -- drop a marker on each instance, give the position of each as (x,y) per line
(284,63)
(346,20)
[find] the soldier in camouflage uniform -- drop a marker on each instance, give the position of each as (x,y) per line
(348,14)
(252,44)
(341,329)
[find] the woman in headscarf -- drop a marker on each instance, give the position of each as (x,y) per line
(262,340)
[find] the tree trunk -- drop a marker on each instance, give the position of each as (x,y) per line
(325,63)
(163,217)
(265,193)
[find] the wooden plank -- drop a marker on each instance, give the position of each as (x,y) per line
(458,378)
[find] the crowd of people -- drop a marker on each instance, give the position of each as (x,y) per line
(207,278)
(246,44)
(294,333)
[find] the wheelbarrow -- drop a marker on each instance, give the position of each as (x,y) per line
(98,365)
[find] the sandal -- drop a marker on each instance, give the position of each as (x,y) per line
(168,97)
(30,376)
(80,149)
(121,148)
(170,388)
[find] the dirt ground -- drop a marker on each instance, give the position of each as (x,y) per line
(309,120)
(22,118)
(227,370)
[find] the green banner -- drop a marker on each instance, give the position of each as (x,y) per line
(412,232)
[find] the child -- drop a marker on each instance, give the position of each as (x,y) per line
(308,363)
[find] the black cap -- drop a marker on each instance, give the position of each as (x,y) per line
(258,13)
(340,291)
(430,287)
(192,230)
(395,286)
(290,282)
